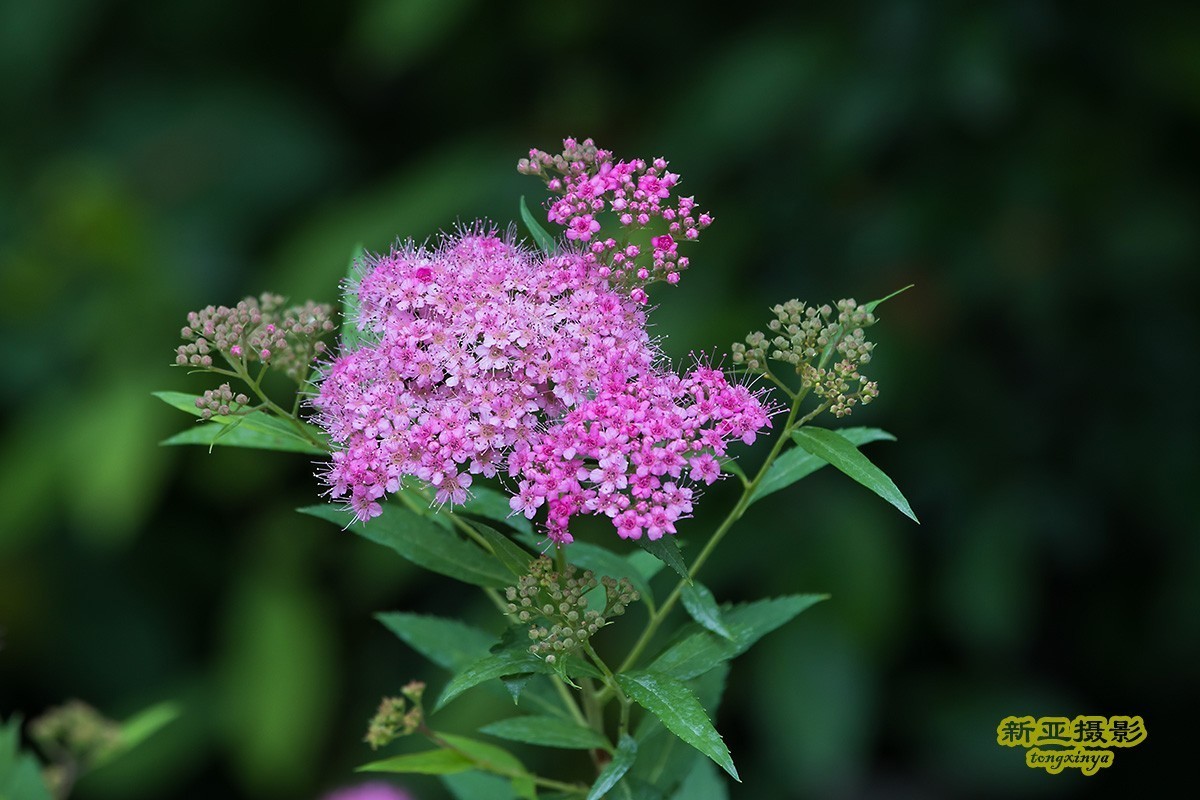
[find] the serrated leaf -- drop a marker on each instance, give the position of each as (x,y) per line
(700,651)
(702,607)
(547,732)
(663,759)
(615,770)
(488,503)
(351,336)
(256,429)
(605,562)
(423,543)
(514,557)
(666,550)
(798,463)
(541,238)
(840,453)
(513,661)
(670,700)
(448,643)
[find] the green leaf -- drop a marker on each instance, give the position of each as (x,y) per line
(488,503)
(476,785)
(547,732)
(351,335)
(840,453)
(874,304)
(702,607)
(20,771)
(256,429)
(647,565)
(700,651)
(140,727)
(670,700)
(541,238)
(702,783)
(427,762)
(663,758)
(798,463)
(423,543)
(512,661)
(615,770)
(666,550)
(448,643)
(487,757)
(605,562)
(514,557)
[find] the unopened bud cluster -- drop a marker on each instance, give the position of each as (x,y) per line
(75,730)
(807,337)
(257,329)
(555,607)
(397,716)
(221,401)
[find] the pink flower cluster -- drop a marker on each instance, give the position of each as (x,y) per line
(478,343)
(482,357)
(640,194)
(632,452)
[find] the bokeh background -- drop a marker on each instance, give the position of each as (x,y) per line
(1030,166)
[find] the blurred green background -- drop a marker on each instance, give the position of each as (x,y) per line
(1030,166)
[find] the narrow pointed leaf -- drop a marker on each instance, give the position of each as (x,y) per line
(422,542)
(703,608)
(666,550)
(700,651)
(448,643)
(514,557)
(140,727)
(488,757)
(256,429)
(494,665)
(798,463)
(615,770)
(670,700)
(427,762)
(840,453)
(663,758)
(874,304)
(547,732)
(541,238)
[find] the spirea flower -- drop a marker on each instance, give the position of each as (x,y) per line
(482,357)
(640,196)
(477,344)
